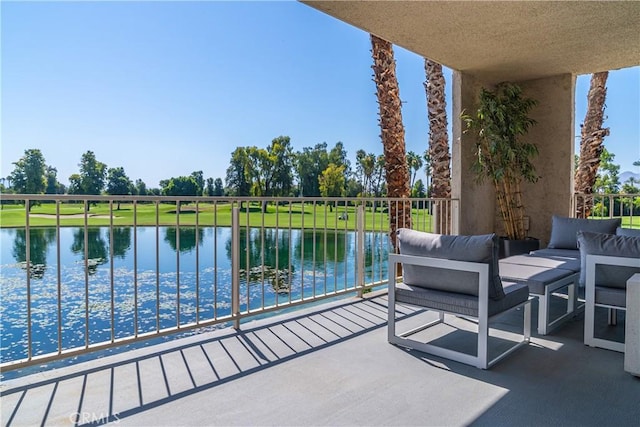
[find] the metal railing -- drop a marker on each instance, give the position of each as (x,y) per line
(84,273)
(624,206)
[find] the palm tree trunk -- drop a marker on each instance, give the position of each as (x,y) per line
(438,141)
(392,134)
(592,136)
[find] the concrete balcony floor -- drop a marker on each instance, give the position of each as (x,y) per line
(331,365)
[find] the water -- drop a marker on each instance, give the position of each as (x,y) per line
(190,279)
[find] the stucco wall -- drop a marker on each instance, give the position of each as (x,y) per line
(554,136)
(477,206)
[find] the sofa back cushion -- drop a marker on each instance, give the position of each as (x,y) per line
(479,248)
(611,245)
(564,230)
(629,232)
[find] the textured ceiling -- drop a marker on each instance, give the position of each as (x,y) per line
(513,40)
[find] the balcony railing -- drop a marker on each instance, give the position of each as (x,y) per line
(84,273)
(624,206)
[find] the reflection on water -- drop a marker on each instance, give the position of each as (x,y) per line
(187,274)
(40,239)
(187,236)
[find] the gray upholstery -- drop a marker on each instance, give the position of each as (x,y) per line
(629,232)
(467,305)
(534,276)
(480,248)
(550,261)
(563,253)
(611,296)
(610,245)
(564,230)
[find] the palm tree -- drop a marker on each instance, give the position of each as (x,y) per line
(427,170)
(392,134)
(592,135)
(438,153)
(414,163)
(366,163)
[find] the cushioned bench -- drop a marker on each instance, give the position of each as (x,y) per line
(545,277)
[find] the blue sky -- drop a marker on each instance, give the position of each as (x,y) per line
(167,88)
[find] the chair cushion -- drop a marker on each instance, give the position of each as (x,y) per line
(564,230)
(611,245)
(479,248)
(467,305)
(629,232)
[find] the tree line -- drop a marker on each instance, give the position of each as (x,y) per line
(275,170)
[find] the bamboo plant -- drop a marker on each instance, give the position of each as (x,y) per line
(501,156)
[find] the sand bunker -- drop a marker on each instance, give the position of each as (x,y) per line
(71,216)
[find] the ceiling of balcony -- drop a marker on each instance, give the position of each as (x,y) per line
(512,40)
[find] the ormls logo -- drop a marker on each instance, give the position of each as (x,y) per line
(79,418)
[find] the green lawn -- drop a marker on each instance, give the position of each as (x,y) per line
(628,222)
(295,215)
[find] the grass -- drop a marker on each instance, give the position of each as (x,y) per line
(631,222)
(296,215)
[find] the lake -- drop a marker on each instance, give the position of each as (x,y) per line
(185,277)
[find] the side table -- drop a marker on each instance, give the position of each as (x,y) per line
(632,327)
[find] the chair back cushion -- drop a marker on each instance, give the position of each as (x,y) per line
(612,276)
(629,232)
(479,248)
(564,230)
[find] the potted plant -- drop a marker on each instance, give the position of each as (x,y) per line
(502,157)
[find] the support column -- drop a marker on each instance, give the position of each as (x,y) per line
(476,209)
(554,137)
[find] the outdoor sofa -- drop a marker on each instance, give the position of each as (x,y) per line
(561,269)
(558,270)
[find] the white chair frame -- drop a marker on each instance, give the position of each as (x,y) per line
(545,324)
(481,359)
(590,296)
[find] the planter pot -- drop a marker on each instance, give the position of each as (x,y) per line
(517,247)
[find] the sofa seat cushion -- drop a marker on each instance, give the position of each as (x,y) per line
(564,231)
(550,261)
(609,245)
(478,248)
(563,253)
(466,305)
(611,296)
(536,277)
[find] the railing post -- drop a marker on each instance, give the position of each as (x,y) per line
(435,217)
(27,240)
(235,266)
(454,227)
(360,251)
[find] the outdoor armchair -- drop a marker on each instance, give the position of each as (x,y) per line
(610,261)
(453,275)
